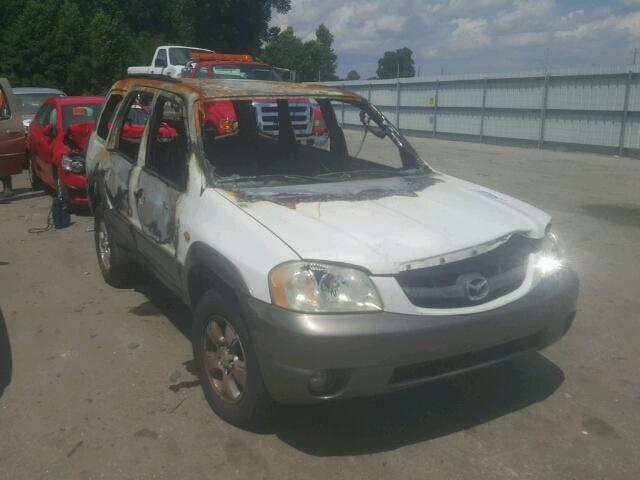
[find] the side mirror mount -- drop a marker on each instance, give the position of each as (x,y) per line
(160,63)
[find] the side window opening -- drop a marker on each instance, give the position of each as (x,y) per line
(168,144)
(42,117)
(133,125)
(203,72)
(162,55)
(107,116)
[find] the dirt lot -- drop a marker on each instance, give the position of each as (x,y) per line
(101,383)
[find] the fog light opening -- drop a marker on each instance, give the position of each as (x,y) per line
(327,382)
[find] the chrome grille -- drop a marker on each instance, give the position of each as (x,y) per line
(442,286)
(268,121)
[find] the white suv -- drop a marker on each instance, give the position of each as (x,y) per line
(315,272)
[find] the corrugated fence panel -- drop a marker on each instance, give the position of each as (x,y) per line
(583,107)
(460,94)
(514,93)
(523,125)
(606,93)
(461,122)
(418,95)
(602,129)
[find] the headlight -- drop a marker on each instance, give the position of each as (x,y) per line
(72,164)
(318,288)
(550,257)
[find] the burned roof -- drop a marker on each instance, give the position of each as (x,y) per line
(225,88)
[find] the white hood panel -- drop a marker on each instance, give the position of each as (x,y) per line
(387,230)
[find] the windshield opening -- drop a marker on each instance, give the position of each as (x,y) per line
(180,56)
(73,114)
(300,140)
(30,103)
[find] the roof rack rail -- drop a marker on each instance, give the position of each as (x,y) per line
(154,76)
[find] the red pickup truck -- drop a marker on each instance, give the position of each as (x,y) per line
(306,116)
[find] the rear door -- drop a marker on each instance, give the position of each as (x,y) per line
(160,186)
(119,172)
(12,139)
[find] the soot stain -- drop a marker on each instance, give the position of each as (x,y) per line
(625,215)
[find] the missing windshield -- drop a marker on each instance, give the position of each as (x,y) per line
(301,140)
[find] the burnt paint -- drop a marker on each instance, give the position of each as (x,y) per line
(350,191)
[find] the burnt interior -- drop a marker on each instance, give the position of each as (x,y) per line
(276,148)
(439,287)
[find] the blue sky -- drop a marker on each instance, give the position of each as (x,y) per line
(474,36)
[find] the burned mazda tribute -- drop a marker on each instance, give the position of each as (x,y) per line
(322,257)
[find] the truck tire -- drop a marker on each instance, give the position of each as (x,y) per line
(227,365)
(115,269)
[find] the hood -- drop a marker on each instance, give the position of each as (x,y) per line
(77,136)
(389,225)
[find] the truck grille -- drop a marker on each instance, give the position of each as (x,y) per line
(268,122)
(445,286)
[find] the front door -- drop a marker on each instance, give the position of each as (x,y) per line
(160,186)
(12,140)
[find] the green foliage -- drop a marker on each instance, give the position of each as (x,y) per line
(314,60)
(396,64)
(83,46)
(353,75)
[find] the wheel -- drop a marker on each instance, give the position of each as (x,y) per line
(227,365)
(35,181)
(116,271)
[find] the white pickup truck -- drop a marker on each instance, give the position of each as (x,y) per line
(168,60)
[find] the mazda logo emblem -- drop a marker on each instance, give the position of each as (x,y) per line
(475,286)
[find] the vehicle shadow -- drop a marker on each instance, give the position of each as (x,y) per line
(162,302)
(440,408)
(388,422)
(5,356)
(21,194)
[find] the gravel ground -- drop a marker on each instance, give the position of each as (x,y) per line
(100,383)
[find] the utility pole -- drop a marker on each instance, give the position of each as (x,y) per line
(635,55)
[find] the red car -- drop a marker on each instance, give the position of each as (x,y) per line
(56,144)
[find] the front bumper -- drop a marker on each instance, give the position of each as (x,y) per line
(381,352)
(75,186)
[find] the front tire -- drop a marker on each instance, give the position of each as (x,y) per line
(116,271)
(227,365)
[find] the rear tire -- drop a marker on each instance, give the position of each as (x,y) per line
(115,270)
(227,365)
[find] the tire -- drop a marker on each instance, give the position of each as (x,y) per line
(35,181)
(116,271)
(252,409)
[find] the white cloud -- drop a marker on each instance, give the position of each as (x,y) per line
(473,35)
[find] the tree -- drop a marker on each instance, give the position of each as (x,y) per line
(314,60)
(353,75)
(82,46)
(397,64)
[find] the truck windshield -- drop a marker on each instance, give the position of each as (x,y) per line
(180,55)
(246,72)
(301,140)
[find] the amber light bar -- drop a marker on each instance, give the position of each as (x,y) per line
(226,57)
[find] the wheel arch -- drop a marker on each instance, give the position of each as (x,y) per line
(205,269)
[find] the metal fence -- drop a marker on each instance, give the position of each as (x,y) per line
(595,109)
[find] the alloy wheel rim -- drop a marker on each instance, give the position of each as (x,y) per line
(224,360)
(104,247)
